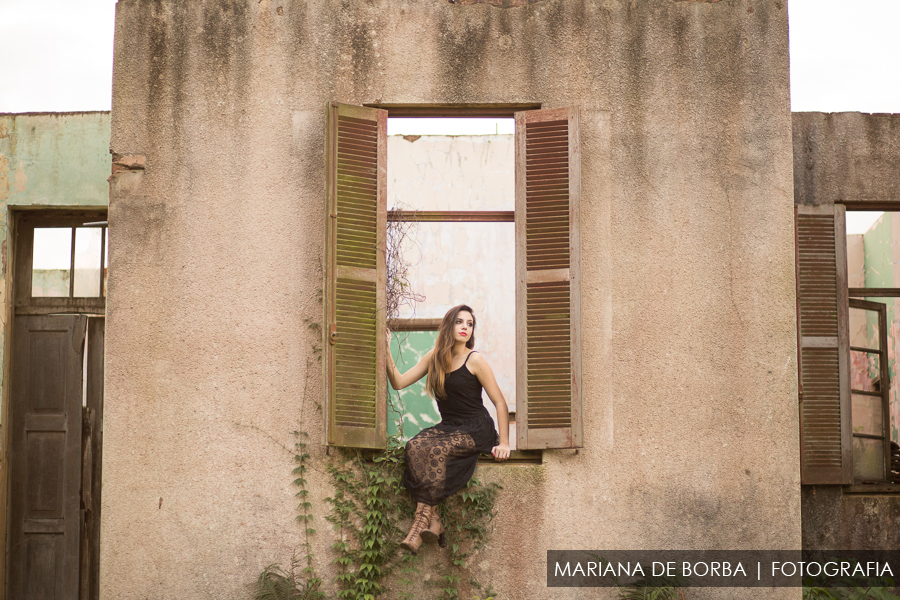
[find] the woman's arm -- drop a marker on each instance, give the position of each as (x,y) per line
(482,370)
(401,380)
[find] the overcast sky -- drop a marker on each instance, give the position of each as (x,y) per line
(58,55)
(845,56)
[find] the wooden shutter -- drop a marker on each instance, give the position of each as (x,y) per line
(355,281)
(548,279)
(822,299)
(45,490)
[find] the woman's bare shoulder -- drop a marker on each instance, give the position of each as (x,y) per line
(476,359)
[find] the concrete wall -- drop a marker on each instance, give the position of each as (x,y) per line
(47,160)
(833,519)
(218,252)
(854,159)
(846,157)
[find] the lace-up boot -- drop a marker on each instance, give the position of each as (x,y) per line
(421,521)
(435,531)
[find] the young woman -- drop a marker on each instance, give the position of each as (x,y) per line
(440,460)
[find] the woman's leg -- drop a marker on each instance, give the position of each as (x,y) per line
(432,456)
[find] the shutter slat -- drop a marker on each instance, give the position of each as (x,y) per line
(548,274)
(357,215)
(824,370)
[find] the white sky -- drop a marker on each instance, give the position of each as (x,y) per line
(58,57)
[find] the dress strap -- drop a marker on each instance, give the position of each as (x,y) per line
(468,355)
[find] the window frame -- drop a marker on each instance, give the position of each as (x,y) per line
(573,436)
(842,298)
(25,222)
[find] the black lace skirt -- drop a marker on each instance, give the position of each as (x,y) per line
(440,460)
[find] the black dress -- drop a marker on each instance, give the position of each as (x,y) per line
(440,460)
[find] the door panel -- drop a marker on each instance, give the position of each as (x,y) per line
(45,453)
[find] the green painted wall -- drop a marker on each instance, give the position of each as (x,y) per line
(413,404)
(54,159)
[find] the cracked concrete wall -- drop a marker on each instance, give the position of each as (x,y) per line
(217,260)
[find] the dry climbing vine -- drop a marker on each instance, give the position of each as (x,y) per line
(399,293)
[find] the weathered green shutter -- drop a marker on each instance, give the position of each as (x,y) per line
(548,279)
(355,279)
(822,298)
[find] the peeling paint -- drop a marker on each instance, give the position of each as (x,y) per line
(20,179)
(134,162)
(54,159)
(4,178)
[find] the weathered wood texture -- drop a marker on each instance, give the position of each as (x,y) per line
(355,281)
(91,488)
(824,345)
(46,423)
(548,278)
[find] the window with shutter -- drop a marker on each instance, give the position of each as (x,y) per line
(822,300)
(547,226)
(354,290)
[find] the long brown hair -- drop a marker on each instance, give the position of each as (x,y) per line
(439,365)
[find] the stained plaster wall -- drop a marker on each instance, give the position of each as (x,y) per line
(47,160)
(851,158)
(687,253)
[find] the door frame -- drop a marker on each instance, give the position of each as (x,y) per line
(16,258)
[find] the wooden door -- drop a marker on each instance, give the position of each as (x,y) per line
(45,466)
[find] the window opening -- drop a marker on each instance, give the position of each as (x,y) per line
(69,262)
(873,279)
(453,179)
(50,274)
(87,260)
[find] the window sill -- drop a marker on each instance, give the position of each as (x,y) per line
(516,457)
(875,488)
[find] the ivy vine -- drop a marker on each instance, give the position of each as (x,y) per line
(369,511)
